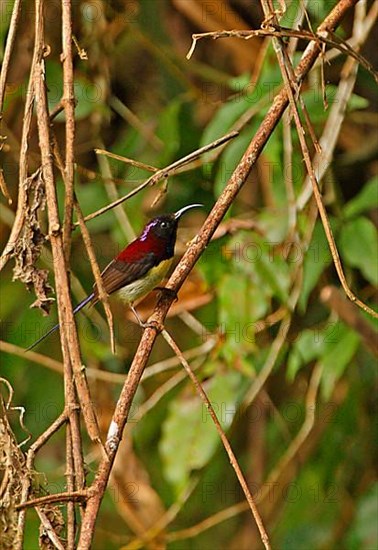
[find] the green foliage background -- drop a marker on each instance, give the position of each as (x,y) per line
(136,64)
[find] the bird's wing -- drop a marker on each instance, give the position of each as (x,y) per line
(119,273)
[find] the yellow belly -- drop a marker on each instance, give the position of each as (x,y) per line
(135,290)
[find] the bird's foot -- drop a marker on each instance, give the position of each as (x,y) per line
(169,291)
(151,324)
(159,327)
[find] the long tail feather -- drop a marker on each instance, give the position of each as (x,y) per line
(56,327)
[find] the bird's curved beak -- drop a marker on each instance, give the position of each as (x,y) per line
(182,211)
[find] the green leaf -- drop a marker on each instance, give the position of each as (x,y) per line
(88,95)
(321,344)
(224,119)
(230,159)
(236,301)
(273,272)
(240,305)
(189,436)
(340,349)
(247,95)
(262,263)
(365,200)
(239,82)
(169,130)
(359,247)
(357,102)
(314,102)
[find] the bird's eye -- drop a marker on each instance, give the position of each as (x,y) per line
(164,225)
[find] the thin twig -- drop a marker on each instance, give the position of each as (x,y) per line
(154,531)
(68,102)
(127,160)
(281,32)
(11,38)
(163,173)
(164,388)
(287,137)
(111,190)
(233,461)
(305,429)
(353,42)
(90,250)
(74,496)
(106,376)
(70,484)
(103,295)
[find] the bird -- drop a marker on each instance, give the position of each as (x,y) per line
(139,268)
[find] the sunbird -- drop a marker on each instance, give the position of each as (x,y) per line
(140,267)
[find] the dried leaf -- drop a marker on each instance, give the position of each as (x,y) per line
(12,467)
(28,247)
(55,517)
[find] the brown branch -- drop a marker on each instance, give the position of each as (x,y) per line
(73,496)
(196,248)
(97,273)
(89,248)
(71,482)
(68,102)
(11,38)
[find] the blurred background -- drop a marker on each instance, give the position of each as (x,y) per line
(264,301)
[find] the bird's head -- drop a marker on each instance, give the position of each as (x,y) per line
(158,236)
(164,227)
